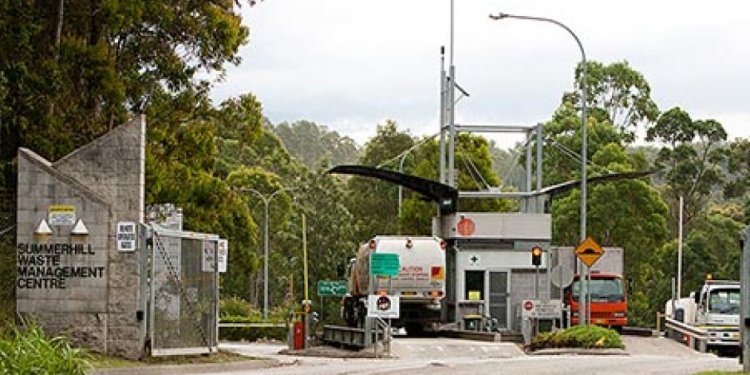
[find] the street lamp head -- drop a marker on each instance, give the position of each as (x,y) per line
(499,16)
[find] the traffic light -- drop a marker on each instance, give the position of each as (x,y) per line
(536,255)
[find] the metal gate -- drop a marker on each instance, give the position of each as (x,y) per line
(184,294)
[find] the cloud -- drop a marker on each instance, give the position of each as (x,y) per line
(351,64)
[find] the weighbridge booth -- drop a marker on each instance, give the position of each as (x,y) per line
(489,264)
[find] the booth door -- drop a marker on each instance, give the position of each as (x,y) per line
(499,293)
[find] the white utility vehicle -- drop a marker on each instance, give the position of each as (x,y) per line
(709,319)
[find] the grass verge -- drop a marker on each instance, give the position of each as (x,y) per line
(30,351)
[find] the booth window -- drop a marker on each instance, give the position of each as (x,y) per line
(473,283)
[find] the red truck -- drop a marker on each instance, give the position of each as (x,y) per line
(609,303)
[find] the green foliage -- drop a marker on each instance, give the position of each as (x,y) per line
(617,94)
(113,59)
(236,306)
(236,310)
(506,164)
(180,159)
(578,337)
(70,76)
(240,119)
(474,172)
(712,246)
(7,283)
(315,145)
(630,214)
(738,164)
(253,333)
(374,203)
(31,352)
(331,228)
(691,159)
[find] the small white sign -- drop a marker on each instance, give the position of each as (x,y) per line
(383,306)
(541,309)
(209,255)
(223,255)
(126,236)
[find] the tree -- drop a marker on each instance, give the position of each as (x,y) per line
(314,145)
(617,94)
(181,154)
(74,70)
(738,166)
(712,247)
(331,232)
(629,214)
(374,203)
(691,159)
(562,139)
(474,172)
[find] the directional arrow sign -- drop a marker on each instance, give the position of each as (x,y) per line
(332,288)
(589,251)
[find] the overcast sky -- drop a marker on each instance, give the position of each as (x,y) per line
(352,64)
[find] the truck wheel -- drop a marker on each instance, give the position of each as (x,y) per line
(414,329)
(361,313)
(349,313)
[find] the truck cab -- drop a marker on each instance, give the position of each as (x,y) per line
(718,303)
(709,319)
(609,305)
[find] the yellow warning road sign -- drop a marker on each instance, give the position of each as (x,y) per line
(589,251)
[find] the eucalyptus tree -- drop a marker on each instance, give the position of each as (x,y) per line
(690,160)
(618,94)
(738,181)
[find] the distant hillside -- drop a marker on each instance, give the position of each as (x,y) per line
(314,144)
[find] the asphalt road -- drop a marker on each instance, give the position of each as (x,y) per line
(434,356)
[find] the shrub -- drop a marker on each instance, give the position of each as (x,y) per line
(236,306)
(250,333)
(578,337)
(253,333)
(237,310)
(31,352)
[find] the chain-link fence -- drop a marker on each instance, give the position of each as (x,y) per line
(184,293)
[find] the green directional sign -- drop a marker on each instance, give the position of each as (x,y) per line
(332,288)
(384,264)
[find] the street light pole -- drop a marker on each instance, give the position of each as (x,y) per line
(401,188)
(585,317)
(401,168)
(266,202)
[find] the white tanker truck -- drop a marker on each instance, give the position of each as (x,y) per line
(420,283)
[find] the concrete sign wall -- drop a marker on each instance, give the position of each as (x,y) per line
(77,281)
